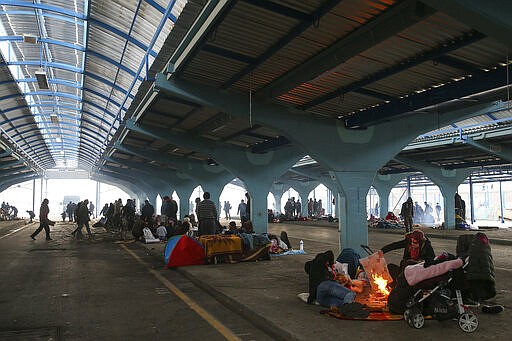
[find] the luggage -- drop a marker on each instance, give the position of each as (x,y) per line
(351,257)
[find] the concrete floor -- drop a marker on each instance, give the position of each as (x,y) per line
(104,290)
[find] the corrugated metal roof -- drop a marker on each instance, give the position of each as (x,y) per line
(91,52)
(94,53)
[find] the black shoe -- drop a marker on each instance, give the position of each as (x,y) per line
(49,238)
(492,309)
(33,238)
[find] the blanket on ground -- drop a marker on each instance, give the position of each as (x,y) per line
(373,316)
(221,245)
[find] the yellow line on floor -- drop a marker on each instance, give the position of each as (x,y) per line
(226,332)
(13,232)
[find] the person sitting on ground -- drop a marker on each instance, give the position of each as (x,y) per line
(184,227)
(161,232)
(232,228)
(247,227)
(417,248)
(326,290)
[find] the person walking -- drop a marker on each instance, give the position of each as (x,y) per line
(82,219)
(407,214)
(438,211)
(44,222)
(207,216)
(91,210)
(227,208)
(242,209)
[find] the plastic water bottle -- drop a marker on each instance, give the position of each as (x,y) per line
(301,245)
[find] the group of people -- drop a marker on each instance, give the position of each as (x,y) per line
(335,290)
(123,218)
(72,208)
(315,208)
(292,209)
(8,212)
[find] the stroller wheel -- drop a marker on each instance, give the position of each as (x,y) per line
(414,318)
(407,317)
(468,322)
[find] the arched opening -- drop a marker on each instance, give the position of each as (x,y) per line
(320,202)
(231,196)
(59,192)
(426,196)
(372,203)
(197,194)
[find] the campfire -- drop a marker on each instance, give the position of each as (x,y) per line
(380,284)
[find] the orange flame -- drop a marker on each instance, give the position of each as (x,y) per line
(381,283)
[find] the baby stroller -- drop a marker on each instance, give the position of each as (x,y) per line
(440,297)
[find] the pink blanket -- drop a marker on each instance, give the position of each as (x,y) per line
(417,273)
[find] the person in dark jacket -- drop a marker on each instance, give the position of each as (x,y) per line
(480,275)
(82,218)
(147,211)
(322,284)
(417,248)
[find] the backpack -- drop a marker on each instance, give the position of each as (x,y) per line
(351,257)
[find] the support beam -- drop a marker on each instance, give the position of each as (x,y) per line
(498,150)
(486,81)
(388,24)
(8,164)
(491,17)
(446,47)
(188,168)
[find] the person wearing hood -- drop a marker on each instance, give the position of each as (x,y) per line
(417,248)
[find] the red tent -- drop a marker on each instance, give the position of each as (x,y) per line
(183,250)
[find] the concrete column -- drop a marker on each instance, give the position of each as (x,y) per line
(259,214)
(353,226)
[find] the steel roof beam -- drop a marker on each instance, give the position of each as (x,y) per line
(13,171)
(8,181)
(292,34)
(56,65)
(8,164)
(242,132)
(458,64)
(161,9)
(6,152)
(46,41)
(55,9)
(60,115)
(499,150)
(374,94)
(282,10)
(389,23)
(228,54)
(486,81)
(447,47)
(121,34)
(491,17)
(49,15)
(475,164)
